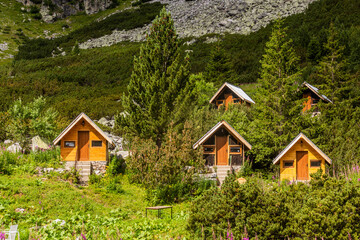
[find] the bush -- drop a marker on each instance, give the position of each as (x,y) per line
(8,161)
(178,192)
(325,208)
(116,166)
(114,185)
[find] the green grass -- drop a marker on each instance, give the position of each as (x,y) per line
(47,199)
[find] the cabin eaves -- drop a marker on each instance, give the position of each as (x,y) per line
(295,140)
(215,128)
(238,91)
(316,91)
(74,122)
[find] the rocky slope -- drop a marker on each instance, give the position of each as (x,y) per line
(200,17)
(51,10)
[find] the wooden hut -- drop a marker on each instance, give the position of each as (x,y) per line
(312,96)
(301,158)
(83,140)
(223,145)
(230,94)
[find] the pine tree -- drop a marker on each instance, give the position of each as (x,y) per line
(331,70)
(219,69)
(159,84)
(276,99)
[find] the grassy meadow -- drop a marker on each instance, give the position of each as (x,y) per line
(96,211)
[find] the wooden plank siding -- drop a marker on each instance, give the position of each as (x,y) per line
(290,173)
(95,153)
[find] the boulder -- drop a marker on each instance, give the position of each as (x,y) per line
(14,148)
(8,141)
(38,143)
(103,121)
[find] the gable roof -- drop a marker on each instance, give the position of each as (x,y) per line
(238,91)
(75,121)
(215,128)
(295,140)
(316,91)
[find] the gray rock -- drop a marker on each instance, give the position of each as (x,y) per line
(8,141)
(14,148)
(37,143)
(103,121)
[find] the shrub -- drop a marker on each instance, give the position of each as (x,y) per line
(325,208)
(178,192)
(28,120)
(116,166)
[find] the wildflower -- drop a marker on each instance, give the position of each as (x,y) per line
(358,179)
(40,202)
(246,238)
(273,177)
(2,236)
(83,236)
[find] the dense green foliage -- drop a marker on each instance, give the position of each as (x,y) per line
(125,20)
(326,208)
(28,120)
(96,78)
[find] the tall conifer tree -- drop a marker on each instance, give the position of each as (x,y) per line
(276,106)
(331,69)
(157,92)
(219,69)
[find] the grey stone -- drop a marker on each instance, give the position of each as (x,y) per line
(37,143)
(8,141)
(14,148)
(103,121)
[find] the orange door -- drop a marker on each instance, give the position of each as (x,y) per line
(221,150)
(307,102)
(302,168)
(83,145)
(228,100)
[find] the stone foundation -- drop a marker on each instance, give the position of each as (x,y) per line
(97,167)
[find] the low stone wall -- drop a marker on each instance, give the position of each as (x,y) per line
(97,167)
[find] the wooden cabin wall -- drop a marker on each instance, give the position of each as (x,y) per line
(309,97)
(210,150)
(95,153)
(289,173)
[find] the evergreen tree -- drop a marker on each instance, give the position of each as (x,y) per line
(219,69)
(158,92)
(331,70)
(277,106)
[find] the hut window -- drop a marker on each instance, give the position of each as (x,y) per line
(236,100)
(235,149)
(315,101)
(288,163)
(96,143)
(69,144)
(208,149)
(210,141)
(315,163)
(232,140)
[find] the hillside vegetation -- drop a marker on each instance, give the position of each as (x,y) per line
(17,25)
(99,75)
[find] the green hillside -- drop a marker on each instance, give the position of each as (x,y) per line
(73,83)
